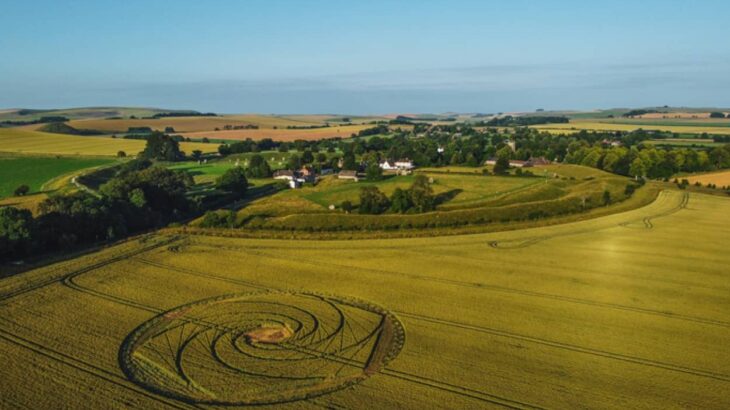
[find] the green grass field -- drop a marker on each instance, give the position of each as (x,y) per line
(36,171)
(615,312)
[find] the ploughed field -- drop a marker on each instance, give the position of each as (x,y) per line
(630,310)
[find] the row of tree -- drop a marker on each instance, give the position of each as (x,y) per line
(132,201)
(649,162)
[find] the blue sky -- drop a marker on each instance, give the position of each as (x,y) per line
(365,56)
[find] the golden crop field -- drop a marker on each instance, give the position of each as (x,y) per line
(344,131)
(189,124)
(615,312)
(601,125)
(32,142)
(29,202)
(720,179)
(209,124)
(684,115)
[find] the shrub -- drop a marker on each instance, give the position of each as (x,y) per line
(21,190)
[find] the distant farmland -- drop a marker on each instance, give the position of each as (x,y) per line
(721,179)
(14,140)
(201,123)
(281,134)
(697,127)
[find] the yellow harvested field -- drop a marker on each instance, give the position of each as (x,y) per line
(281,134)
(604,313)
(721,179)
(189,124)
(29,202)
(34,142)
(594,125)
(682,115)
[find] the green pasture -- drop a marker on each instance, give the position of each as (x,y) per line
(36,171)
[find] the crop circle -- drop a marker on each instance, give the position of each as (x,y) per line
(261,348)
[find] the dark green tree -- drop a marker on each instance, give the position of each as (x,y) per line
(372,200)
(400,201)
(258,167)
(421,194)
(234,180)
(15,232)
(374,172)
(348,161)
(606,197)
(161,147)
(294,162)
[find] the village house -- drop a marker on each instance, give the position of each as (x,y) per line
(307,174)
(612,143)
(295,178)
(402,164)
(539,161)
(351,175)
(286,174)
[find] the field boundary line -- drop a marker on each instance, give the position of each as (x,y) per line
(531,240)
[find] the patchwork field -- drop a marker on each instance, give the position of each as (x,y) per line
(344,131)
(36,171)
(710,127)
(721,179)
(606,313)
(186,124)
(15,140)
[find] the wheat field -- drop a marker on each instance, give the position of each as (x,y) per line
(17,141)
(605,313)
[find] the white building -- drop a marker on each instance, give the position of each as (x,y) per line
(399,165)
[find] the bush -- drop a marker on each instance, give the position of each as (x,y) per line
(213,219)
(629,190)
(21,190)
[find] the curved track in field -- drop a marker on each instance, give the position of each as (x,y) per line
(261,348)
(645,222)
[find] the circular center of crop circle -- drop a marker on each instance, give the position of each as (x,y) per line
(261,348)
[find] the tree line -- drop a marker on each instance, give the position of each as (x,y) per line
(132,201)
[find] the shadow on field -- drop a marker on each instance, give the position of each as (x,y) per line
(447,196)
